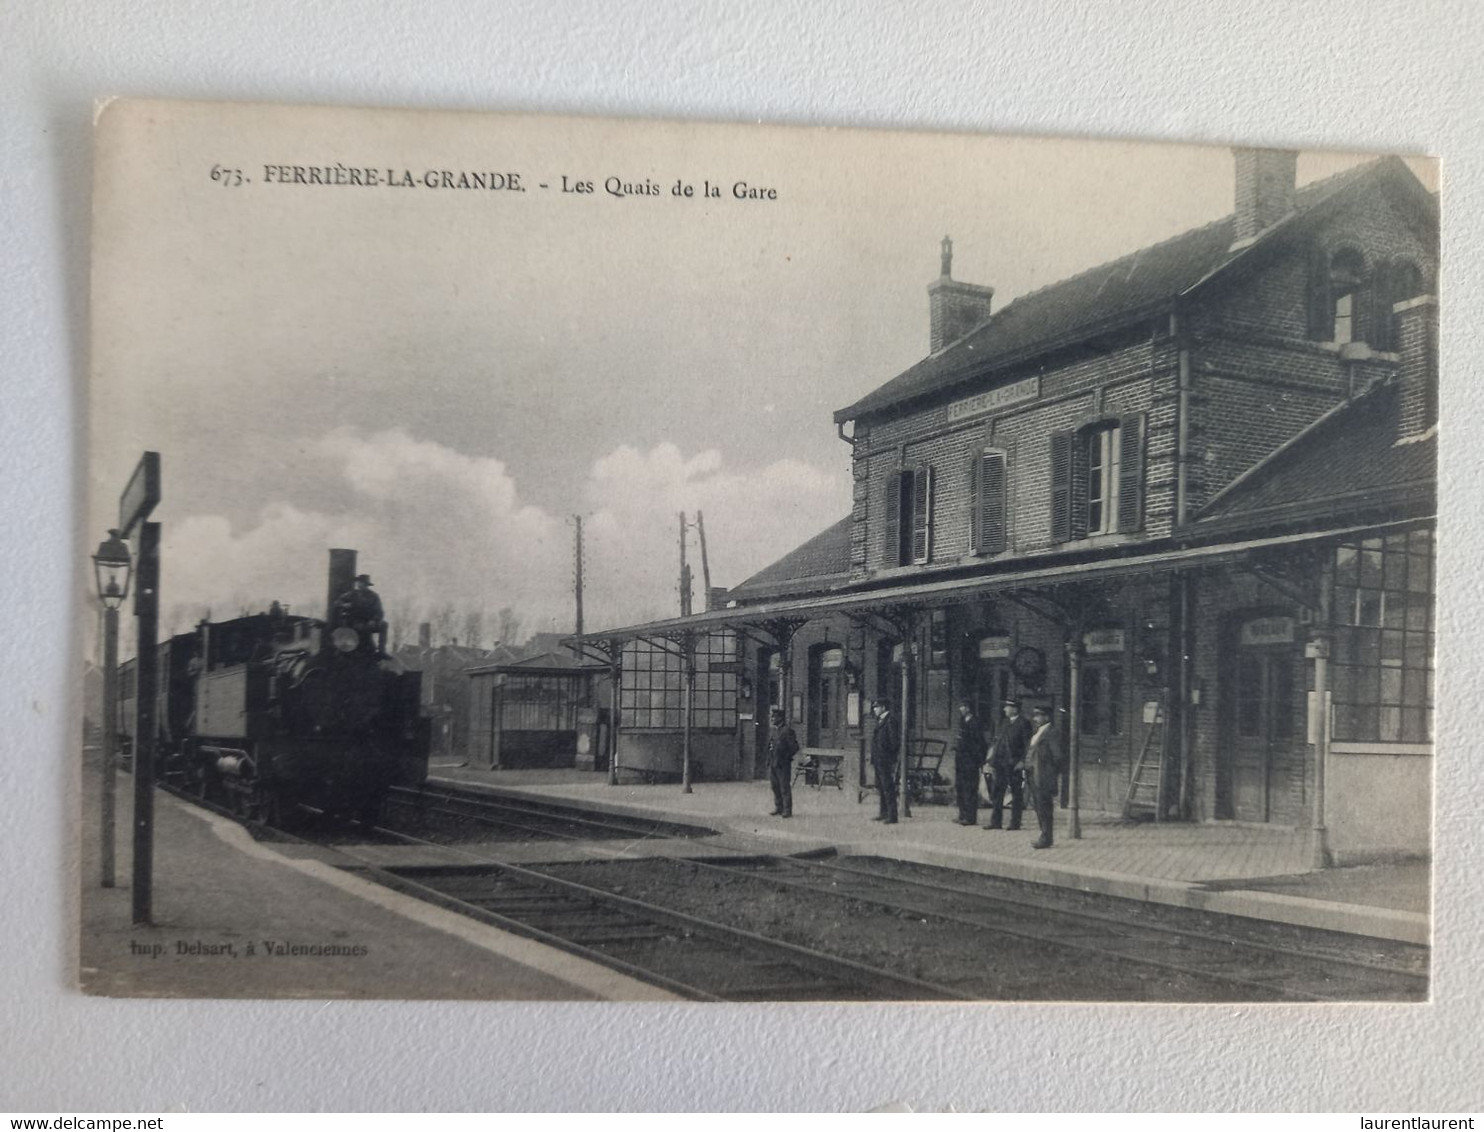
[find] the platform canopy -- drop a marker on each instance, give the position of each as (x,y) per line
(918,594)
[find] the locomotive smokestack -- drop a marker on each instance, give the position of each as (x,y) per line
(342,578)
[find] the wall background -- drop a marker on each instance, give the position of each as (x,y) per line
(1384,75)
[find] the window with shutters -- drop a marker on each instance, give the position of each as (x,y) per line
(908,517)
(1097,475)
(1103,449)
(987,492)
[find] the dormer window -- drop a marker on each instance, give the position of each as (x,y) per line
(1338,294)
(1350,301)
(1345,319)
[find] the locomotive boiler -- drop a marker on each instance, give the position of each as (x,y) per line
(270,710)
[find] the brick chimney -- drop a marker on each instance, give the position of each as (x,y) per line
(956,307)
(1417,378)
(425,635)
(1264,193)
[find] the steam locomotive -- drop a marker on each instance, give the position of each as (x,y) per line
(270,710)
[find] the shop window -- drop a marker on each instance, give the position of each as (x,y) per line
(1382,658)
(1097,479)
(652,687)
(908,525)
(987,491)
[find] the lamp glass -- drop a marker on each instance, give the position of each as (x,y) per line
(112,566)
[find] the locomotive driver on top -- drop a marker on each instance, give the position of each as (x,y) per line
(360,609)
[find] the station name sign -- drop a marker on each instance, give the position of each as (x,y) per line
(1268,631)
(1027,389)
(1103,640)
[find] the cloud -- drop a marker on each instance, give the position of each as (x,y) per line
(435,526)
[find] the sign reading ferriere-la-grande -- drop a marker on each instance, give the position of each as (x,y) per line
(1027,389)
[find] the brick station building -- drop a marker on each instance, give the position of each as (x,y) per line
(1179,497)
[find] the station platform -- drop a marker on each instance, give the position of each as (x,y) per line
(1261,872)
(239,918)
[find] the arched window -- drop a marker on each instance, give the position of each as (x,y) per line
(1346,280)
(1337,295)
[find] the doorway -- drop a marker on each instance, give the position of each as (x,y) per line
(826,715)
(1103,734)
(1260,732)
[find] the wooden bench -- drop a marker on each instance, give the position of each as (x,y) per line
(924,767)
(820,766)
(924,770)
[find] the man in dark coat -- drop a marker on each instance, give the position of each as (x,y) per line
(359,608)
(782,747)
(1044,762)
(886,741)
(1007,767)
(968,758)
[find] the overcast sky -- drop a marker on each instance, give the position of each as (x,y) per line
(440,378)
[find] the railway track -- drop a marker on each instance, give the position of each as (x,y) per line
(690,951)
(690,955)
(1254,969)
(528,820)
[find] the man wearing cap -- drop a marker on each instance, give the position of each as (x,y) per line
(360,609)
(886,743)
(968,758)
(1007,767)
(1044,762)
(782,747)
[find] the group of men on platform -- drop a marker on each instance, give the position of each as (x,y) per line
(1024,755)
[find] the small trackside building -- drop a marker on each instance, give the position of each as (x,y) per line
(1185,498)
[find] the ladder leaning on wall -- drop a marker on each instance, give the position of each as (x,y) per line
(1145,796)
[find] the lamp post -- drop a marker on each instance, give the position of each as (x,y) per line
(111,567)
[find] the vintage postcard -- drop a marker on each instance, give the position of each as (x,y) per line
(553,558)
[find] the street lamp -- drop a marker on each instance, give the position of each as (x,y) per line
(111,568)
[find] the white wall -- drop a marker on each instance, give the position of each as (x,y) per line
(1378,807)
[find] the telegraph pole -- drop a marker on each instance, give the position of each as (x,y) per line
(578,586)
(685,599)
(705,562)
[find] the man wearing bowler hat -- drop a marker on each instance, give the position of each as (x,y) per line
(1043,763)
(1007,767)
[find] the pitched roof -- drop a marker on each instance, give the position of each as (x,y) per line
(558,660)
(1348,462)
(1104,298)
(816,564)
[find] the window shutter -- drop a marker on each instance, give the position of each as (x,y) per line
(1061,486)
(1130,472)
(991,503)
(1321,297)
(976,534)
(1379,321)
(922,514)
(891,521)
